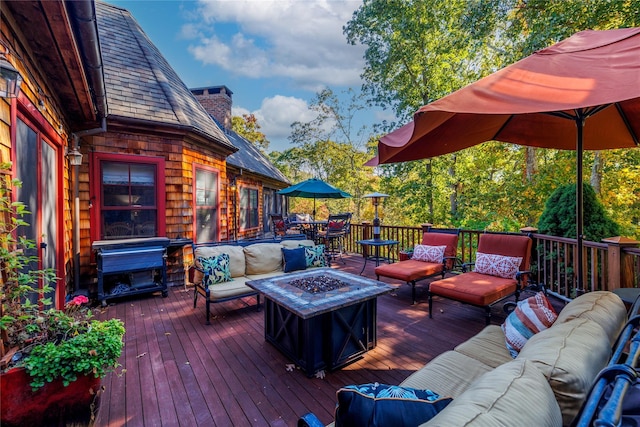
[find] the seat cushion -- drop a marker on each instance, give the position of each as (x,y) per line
(237,287)
(603,307)
(487,346)
(409,270)
(473,288)
(570,355)
(514,394)
(448,374)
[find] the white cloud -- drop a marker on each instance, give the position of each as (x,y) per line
(275,116)
(300,40)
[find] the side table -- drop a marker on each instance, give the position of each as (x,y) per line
(377,244)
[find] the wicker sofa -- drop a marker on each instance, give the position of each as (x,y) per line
(545,385)
(249,260)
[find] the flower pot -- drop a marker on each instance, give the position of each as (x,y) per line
(403,256)
(20,406)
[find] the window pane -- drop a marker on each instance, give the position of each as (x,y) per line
(206,213)
(143,175)
(115,173)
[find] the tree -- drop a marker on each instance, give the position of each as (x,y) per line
(559,216)
(421,50)
(248,127)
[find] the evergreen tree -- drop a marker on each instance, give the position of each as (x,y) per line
(559,216)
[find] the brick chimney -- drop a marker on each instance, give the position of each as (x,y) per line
(217,101)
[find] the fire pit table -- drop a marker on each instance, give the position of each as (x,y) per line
(321,319)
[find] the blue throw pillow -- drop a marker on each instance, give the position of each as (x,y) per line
(217,269)
(370,405)
(294,259)
(314,256)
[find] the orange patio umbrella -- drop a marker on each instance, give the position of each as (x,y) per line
(582,93)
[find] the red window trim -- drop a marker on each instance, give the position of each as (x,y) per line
(96,182)
(215,171)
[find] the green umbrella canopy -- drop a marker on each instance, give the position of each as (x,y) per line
(314,188)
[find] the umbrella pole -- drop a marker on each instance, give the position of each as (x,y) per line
(580,118)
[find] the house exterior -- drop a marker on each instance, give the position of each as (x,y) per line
(154,161)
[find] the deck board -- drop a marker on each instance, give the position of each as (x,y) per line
(176,370)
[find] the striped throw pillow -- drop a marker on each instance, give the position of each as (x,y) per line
(530,316)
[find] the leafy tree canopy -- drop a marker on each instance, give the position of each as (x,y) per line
(248,127)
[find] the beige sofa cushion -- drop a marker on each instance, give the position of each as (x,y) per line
(263,258)
(488,347)
(234,288)
(448,374)
(236,259)
(292,244)
(514,394)
(603,307)
(570,355)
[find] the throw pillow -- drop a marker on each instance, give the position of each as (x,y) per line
(335,225)
(314,256)
(429,253)
(294,259)
(498,265)
(216,269)
(530,316)
(386,405)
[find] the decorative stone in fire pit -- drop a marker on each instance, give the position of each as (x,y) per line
(321,318)
(315,284)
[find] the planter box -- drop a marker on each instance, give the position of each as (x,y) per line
(52,404)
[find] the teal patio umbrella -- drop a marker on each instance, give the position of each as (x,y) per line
(314,188)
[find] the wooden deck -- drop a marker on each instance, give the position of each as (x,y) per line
(177,371)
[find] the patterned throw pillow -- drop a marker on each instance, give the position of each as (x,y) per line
(498,265)
(386,405)
(216,269)
(530,316)
(314,256)
(429,253)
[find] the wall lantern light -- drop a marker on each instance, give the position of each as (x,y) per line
(10,79)
(75,157)
(376,198)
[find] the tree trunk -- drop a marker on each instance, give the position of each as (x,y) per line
(531,165)
(596,172)
(429,168)
(453,197)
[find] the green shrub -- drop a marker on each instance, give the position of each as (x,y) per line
(559,215)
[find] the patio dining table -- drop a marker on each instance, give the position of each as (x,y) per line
(311,228)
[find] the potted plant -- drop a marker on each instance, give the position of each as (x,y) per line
(49,358)
(405,253)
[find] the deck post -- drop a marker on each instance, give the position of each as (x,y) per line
(620,271)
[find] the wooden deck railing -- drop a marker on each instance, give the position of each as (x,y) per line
(610,264)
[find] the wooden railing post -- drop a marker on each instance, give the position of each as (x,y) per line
(620,271)
(425,227)
(367,232)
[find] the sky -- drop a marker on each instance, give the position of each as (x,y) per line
(273,55)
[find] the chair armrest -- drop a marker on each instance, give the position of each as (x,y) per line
(457,263)
(466,266)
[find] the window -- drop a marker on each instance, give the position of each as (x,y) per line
(130,196)
(206,203)
(248,208)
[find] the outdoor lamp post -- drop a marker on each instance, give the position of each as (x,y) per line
(10,79)
(375,198)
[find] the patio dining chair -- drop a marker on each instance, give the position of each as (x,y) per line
(500,271)
(337,228)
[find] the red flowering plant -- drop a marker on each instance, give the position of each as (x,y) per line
(49,343)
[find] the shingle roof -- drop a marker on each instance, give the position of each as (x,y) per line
(249,157)
(139,81)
